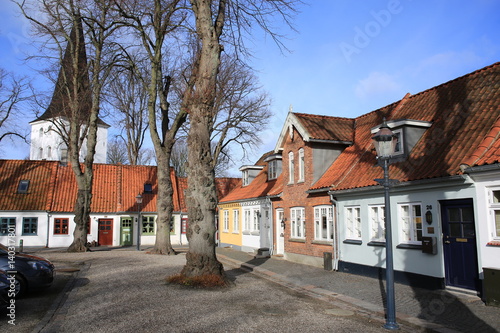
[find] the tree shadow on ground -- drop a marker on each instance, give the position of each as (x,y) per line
(245,268)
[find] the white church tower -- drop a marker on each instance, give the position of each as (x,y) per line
(46,140)
(47,144)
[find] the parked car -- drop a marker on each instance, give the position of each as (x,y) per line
(32,272)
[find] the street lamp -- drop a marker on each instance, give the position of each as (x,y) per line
(138,200)
(385,143)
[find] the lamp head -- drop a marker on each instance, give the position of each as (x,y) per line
(384,141)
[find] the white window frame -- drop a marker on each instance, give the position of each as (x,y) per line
(322,214)
(291,168)
(377,223)
(494,207)
(225,220)
(247,216)
(301,165)
(273,169)
(409,222)
(353,222)
(399,149)
(298,222)
(256,220)
(236,221)
(245,177)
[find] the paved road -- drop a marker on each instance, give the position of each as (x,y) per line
(122,290)
(125,291)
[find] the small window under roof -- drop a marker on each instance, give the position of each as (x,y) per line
(148,188)
(23,186)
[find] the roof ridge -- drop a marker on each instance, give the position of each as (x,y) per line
(477,71)
(320,115)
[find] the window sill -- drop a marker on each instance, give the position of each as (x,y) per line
(246,232)
(409,246)
(322,242)
(297,240)
(353,241)
(236,232)
(376,243)
(255,233)
(494,243)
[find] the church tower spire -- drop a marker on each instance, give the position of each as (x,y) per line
(48,132)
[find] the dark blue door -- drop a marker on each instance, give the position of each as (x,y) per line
(459,244)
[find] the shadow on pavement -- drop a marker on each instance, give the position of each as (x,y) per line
(245,268)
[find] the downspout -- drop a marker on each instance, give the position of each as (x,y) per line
(180,228)
(48,229)
(336,250)
(271,224)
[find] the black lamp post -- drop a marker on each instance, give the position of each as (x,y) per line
(385,142)
(138,200)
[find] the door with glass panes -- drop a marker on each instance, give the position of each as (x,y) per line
(459,244)
(126,233)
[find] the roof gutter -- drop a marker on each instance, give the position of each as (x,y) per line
(483,168)
(331,141)
(401,186)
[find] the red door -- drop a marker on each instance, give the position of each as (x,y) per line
(105,232)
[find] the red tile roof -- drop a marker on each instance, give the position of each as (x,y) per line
(258,187)
(53,187)
(465,129)
(327,127)
(40,174)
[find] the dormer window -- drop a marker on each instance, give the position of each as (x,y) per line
(23,186)
(398,150)
(245,178)
(249,172)
(407,133)
(148,188)
(273,166)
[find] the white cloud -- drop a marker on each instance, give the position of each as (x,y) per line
(377,83)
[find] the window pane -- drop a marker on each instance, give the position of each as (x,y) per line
(469,231)
(454,214)
(467,214)
(496,196)
(455,230)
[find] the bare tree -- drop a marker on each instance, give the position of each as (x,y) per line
(117,151)
(153,22)
(128,95)
(178,159)
(242,112)
(12,93)
(212,19)
(76,101)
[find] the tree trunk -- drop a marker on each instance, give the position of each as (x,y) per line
(164,204)
(82,212)
(201,198)
(202,202)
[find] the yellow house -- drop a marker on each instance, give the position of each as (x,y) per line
(230,229)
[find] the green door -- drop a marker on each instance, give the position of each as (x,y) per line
(126,231)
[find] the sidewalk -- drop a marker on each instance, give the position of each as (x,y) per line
(440,311)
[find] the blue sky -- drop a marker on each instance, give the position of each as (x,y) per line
(348,58)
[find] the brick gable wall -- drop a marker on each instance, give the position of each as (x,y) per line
(295,195)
